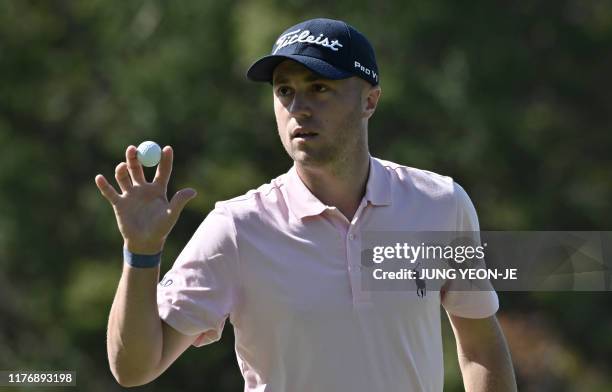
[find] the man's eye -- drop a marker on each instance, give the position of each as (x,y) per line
(283,91)
(320,88)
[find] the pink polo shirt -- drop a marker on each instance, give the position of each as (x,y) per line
(284,268)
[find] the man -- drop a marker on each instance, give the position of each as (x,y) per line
(282,261)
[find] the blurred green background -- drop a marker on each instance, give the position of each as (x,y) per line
(512,99)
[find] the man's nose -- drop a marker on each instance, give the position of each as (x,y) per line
(300,106)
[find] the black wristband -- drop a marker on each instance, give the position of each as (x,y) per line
(141,261)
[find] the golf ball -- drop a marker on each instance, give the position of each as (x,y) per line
(149,153)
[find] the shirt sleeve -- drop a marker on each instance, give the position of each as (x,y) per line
(199,292)
(476,303)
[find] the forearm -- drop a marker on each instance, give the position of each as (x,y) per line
(483,355)
(135,340)
(488,368)
(488,375)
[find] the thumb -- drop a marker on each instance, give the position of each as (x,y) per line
(180,199)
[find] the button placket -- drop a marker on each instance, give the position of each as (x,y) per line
(353,251)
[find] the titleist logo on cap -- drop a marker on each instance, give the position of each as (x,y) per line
(293,37)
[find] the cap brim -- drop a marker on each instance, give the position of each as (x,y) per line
(262,69)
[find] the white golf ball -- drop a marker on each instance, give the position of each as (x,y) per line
(149,153)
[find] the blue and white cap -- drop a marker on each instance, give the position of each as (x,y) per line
(330,48)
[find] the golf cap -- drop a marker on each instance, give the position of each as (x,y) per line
(330,48)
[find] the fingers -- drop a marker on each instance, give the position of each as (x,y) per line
(123,177)
(134,167)
(180,199)
(162,174)
(106,189)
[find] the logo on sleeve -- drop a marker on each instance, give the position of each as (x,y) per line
(165,282)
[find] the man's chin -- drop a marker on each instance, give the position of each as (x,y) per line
(307,159)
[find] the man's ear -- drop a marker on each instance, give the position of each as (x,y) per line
(370,100)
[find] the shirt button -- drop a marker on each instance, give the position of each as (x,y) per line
(352,236)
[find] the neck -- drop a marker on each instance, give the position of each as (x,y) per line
(341,184)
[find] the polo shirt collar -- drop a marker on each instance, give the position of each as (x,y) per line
(303,203)
(378,188)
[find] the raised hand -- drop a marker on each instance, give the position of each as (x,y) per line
(144,215)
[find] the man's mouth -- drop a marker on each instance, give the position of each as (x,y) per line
(303,135)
